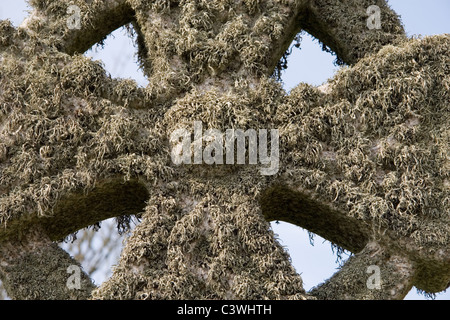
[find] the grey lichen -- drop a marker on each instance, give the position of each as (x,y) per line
(366,161)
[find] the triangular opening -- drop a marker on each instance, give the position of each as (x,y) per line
(118,53)
(313,257)
(308,63)
(316,259)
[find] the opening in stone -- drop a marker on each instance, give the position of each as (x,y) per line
(309,63)
(315,259)
(111,211)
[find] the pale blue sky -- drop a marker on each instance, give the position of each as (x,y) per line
(310,64)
